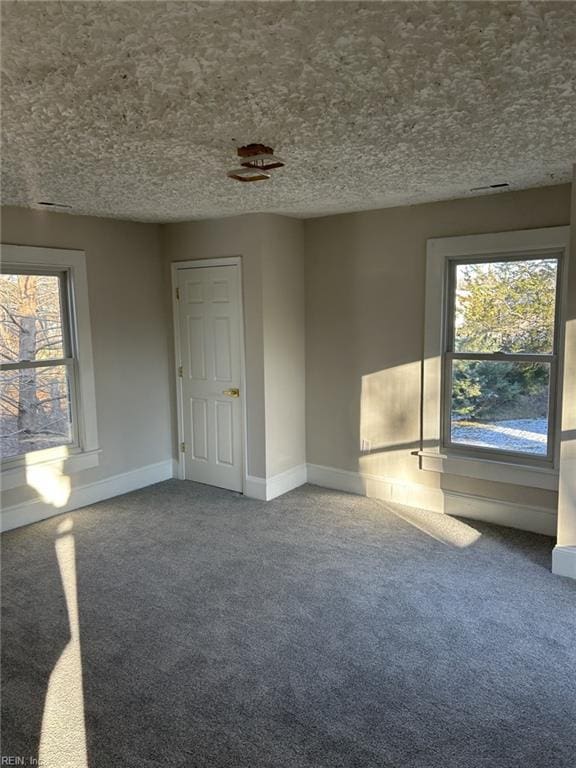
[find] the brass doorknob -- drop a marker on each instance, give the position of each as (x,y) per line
(231,392)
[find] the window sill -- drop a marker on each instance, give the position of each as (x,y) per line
(16,475)
(494,471)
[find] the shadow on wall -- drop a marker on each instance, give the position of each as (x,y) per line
(389,422)
(368,384)
(366,317)
(387,464)
(386,415)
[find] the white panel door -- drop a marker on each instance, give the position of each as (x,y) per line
(210,360)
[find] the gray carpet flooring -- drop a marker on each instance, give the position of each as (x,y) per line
(319,629)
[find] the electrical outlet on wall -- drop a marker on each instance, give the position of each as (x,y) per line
(365,445)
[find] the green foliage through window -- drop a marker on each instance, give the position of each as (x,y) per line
(505,306)
(499,308)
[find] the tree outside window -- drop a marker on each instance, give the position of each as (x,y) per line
(501,354)
(36,363)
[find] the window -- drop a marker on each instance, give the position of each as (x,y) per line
(47,397)
(37,363)
(501,355)
(491,359)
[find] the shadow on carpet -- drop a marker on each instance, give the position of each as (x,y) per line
(182,625)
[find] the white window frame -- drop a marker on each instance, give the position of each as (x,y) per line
(83,453)
(441,252)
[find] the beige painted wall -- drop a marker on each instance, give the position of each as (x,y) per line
(365,275)
(273,291)
(284,343)
(567,495)
(127,310)
(362,323)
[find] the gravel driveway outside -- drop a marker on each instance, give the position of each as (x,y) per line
(526,435)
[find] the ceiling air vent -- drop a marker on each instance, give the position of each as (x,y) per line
(52,205)
(500,185)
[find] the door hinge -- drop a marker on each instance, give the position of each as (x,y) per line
(177,294)
(182,447)
(180,371)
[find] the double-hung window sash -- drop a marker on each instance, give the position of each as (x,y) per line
(37,361)
(522,357)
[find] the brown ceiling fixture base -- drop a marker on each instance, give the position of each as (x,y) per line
(257,160)
(248,174)
(259,156)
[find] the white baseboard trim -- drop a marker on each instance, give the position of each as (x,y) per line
(386,489)
(510,514)
(255,487)
(564,561)
(535,519)
(286,481)
(33,511)
(277,485)
(338,479)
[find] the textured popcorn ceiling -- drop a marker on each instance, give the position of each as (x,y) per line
(134,109)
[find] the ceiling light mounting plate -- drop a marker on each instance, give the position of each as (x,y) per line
(259,156)
(257,160)
(248,174)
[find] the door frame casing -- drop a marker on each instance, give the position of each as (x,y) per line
(227,261)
